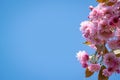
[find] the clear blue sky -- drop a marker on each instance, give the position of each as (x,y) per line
(39,39)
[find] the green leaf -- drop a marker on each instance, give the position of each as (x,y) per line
(100,76)
(93,59)
(88,73)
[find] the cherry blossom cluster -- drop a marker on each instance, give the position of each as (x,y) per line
(103,25)
(102,32)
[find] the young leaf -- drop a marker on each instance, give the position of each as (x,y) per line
(93,59)
(99,48)
(105,50)
(102,1)
(102,48)
(88,73)
(110,3)
(100,76)
(117,52)
(87,43)
(118,55)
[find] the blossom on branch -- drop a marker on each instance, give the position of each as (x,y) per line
(102,32)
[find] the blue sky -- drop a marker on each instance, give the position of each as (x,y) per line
(39,39)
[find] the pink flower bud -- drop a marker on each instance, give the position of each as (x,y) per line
(91,8)
(84,64)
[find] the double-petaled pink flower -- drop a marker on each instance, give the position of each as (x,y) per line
(94,67)
(83,57)
(112,62)
(106,73)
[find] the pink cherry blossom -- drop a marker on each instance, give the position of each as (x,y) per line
(113,1)
(94,67)
(88,27)
(116,7)
(112,62)
(89,31)
(114,21)
(117,33)
(93,46)
(91,8)
(114,44)
(118,71)
(102,30)
(82,56)
(106,73)
(117,64)
(109,59)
